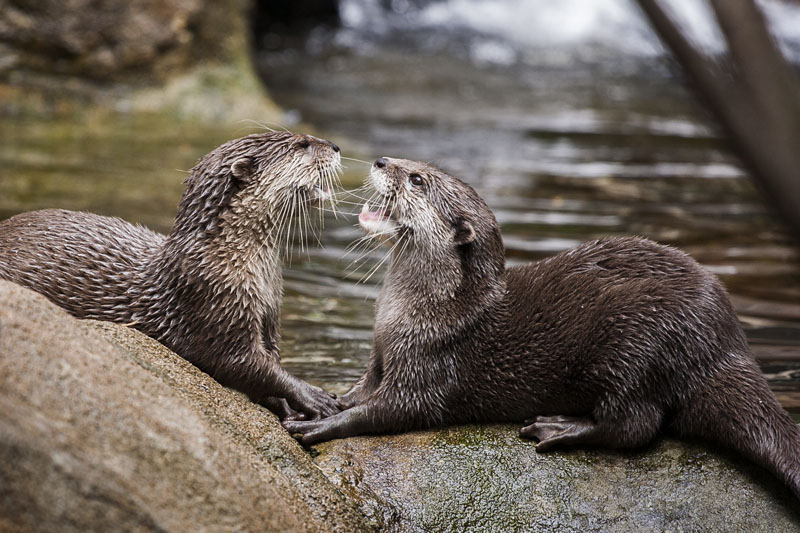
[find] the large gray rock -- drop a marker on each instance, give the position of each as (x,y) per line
(103,429)
(488,479)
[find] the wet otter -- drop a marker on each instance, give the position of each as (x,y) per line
(602,345)
(211,289)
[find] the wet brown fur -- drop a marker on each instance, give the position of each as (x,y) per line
(211,289)
(606,344)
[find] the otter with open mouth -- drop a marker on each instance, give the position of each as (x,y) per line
(211,290)
(602,345)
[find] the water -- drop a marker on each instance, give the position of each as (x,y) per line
(566,144)
(505,31)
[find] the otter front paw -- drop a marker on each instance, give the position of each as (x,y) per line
(348,401)
(311,431)
(315,402)
(356,421)
(280,408)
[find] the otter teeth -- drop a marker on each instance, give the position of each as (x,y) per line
(375,221)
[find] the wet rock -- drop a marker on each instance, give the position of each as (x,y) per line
(487,479)
(104,429)
(187,56)
(115,39)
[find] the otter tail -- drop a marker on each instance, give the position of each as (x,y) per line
(737,409)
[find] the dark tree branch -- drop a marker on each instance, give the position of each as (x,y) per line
(757,101)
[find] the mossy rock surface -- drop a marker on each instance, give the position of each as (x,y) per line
(188,58)
(485,478)
(104,429)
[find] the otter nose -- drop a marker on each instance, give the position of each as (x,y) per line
(334,147)
(380,163)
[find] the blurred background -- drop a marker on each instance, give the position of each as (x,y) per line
(574,119)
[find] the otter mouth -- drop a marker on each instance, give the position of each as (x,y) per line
(377,222)
(314,195)
(321,194)
(322,191)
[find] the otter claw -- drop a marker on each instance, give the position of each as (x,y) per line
(307,432)
(317,403)
(297,415)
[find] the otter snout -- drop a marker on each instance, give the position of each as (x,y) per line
(379,222)
(380,175)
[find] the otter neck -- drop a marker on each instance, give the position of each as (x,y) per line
(220,262)
(462,277)
(431,277)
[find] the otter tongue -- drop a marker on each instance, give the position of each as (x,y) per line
(366,214)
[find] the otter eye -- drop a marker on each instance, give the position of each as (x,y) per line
(304,144)
(415,179)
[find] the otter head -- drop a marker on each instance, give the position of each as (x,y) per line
(256,184)
(436,217)
(279,168)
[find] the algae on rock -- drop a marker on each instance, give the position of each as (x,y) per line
(485,478)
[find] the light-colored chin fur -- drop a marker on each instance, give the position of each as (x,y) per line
(372,222)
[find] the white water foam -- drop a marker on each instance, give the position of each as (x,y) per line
(503,29)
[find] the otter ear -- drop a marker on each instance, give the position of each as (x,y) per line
(242,168)
(465,233)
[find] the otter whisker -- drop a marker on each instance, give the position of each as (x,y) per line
(359,204)
(357,160)
(264,125)
(321,183)
(310,229)
(364,239)
(337,211)
(317,236)
(287,213)
(388,254)
(292,227)
(260,125)
(368,244)
(349,192)
(353,266)
(377,267)
(358,191)
(359,242)
(332,181)
(301,212)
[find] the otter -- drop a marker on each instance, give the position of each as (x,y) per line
(212,288)
(605,345)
